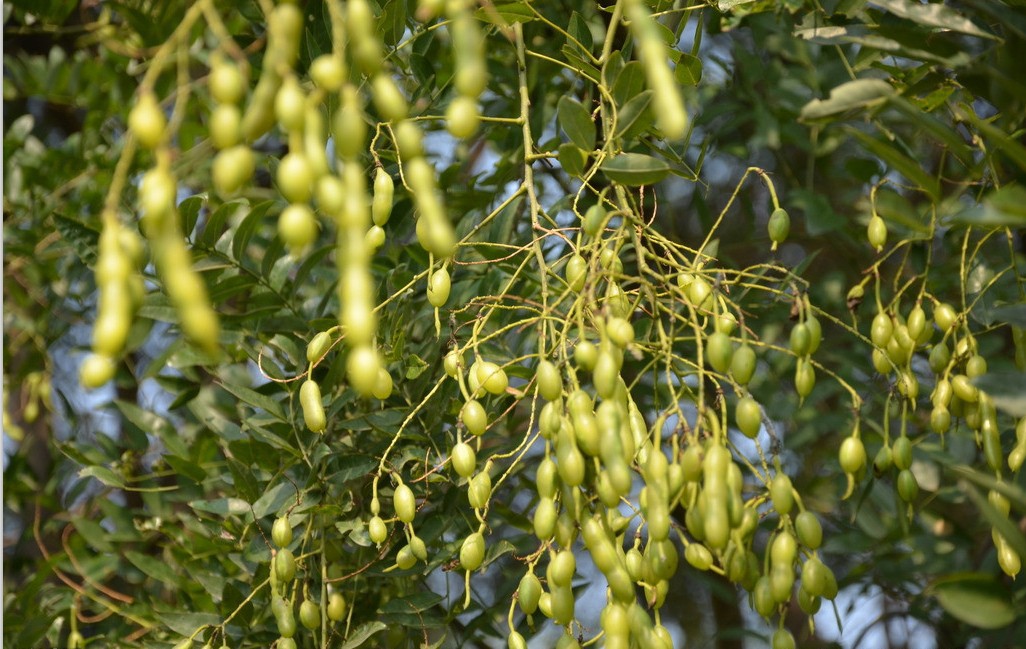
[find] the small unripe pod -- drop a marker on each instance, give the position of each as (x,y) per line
(313,410)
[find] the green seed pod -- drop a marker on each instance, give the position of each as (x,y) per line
(281,532)
(529,593)
(405,503)
(313,410)
(384,191)
(908,487)
(318,346)
(852,455)
(146,121)
(809,530)
(472,552)
(876,232)
(778,227)
(782,494)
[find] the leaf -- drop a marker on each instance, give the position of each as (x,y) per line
(362,634)
(152,567)
(1007,389)
(689,70)
(630,113)
(257,400)
(940,130)
(274,498)
(975,598)
(222,507)
(635,169)
(93,533)
(249,225)
(576,122)
(579,30)
(506,13)
(415,366)
(184,467)
(1013,314)
(1005,207)
(1001,141)
(629,83)
(936,15)
(899,161)
(573,159)
(848,97)
(83,240)
(104,475)
(187,623)
(998,520)
(188,213)
(1015,495)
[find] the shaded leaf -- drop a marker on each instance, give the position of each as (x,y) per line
(576,122)
(362,634)
(634,169)
(631,112)
(933,14)
(689,70)
(572,158)
(899,161)
(976,599)
(104,475)
(1007,389)
(255,399)
(152,567)
(222,506)
(847,97)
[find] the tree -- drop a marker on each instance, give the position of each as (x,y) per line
(355,323)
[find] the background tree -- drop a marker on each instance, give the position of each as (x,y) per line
(330,324)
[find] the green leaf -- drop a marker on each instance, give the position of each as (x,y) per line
(83,239)
(188,213)
(975,598)
(274,498)
(1000,140)
(899,161)
(635,169)
(937,15)
(506,13)
(362,634)
(186,468)
(629,83)
(576,122)
(1005,207)
(222,507)
(93,533)
(579,29)
(573,159)
(249,225)
(257,400)
(1015,495)
(1013,314)
(848,97)
(104,475)
(152,567)
(186,623)
(1007,389)
(631,112)
(415,366)
(689,70)
(998,520)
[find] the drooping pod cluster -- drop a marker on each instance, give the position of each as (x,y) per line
(900,339)
(668,105)
(120,284)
